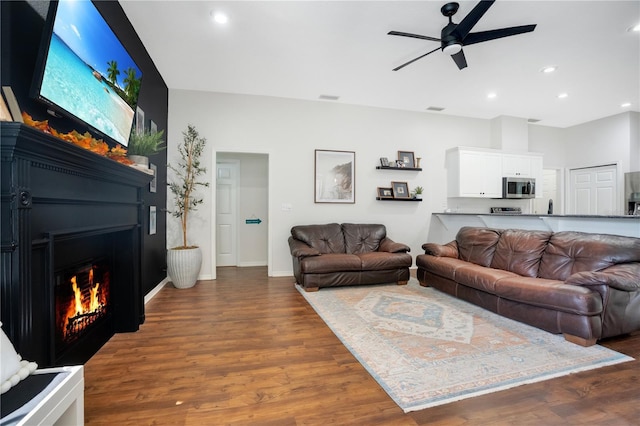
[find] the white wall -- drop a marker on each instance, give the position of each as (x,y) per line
(599,142)
(289,131)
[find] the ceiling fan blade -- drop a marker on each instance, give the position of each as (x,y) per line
(481,36)
(459,59)
(413,60)
(398,33)
(469,21)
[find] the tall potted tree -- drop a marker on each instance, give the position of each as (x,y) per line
(184,261)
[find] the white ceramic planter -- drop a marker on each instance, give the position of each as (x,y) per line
(140,160)
(183,266)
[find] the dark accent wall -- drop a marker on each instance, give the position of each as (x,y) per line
(22,26)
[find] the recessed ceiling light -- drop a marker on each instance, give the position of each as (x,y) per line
(634,28)
(219,17)
(563,95)
(625,105)
(492,95)
(549,69)
(435,108)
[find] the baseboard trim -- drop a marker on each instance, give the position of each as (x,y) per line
(281,274)
(155,290)
(251,264)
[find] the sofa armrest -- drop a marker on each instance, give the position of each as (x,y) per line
(390,246)
(623,277)
(439,250)
(300,249)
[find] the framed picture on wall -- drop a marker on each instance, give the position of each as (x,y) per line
(400,190)
(152,220)
(335,173)
(407,158)
(139,121)
(154,182)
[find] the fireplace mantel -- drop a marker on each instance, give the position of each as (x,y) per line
(56,197)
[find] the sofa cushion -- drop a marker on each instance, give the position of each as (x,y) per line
(550,294)
(443,266)
(324,238)
(362,238)
(570,252)
(481,277)
(380,261)
(330,262)
(477,245)
(520,251)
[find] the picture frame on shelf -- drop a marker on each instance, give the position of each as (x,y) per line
(153,127)
(399,164)
(385,192)
(400,190)
(408,158)
(334,177)
(12,104)
(5,115)
(384,162)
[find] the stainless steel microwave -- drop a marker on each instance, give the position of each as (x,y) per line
(518,187)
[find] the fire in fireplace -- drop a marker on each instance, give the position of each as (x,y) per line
(82,300)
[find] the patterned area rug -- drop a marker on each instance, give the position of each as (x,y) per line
(426,348)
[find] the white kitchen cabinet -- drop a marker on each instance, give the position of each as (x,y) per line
(474,173)
(515,165)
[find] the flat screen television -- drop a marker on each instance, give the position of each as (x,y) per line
(85,73)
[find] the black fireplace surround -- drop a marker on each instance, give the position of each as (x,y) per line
(64,206)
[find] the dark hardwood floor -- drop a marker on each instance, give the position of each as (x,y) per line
(247,349)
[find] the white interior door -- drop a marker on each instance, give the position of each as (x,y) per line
(593,190)
(226,214)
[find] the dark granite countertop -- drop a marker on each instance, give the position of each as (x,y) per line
(558,216)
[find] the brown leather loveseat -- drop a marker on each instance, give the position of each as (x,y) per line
(336,255)
(586,286)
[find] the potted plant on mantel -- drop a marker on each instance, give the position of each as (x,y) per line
(184,261)
(142,145)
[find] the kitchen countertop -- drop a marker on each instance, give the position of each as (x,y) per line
(571,216)
(447,224)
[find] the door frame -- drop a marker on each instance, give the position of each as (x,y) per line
(214,210)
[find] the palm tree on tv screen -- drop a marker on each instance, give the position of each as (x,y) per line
(113,72)
(131,85)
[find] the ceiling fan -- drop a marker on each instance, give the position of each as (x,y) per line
(454,36)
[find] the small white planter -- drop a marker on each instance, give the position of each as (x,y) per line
(140,160)
(183,266)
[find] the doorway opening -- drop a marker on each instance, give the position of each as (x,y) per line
(241,216)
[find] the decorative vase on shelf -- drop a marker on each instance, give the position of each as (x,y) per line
(418,162)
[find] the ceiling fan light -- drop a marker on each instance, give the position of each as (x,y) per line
(452,49)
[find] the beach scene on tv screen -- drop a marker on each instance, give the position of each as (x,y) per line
(88,72)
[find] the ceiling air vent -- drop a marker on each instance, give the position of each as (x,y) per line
(433,108)
(329,97)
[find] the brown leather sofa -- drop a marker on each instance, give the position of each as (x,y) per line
(586,286)
(336,255)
